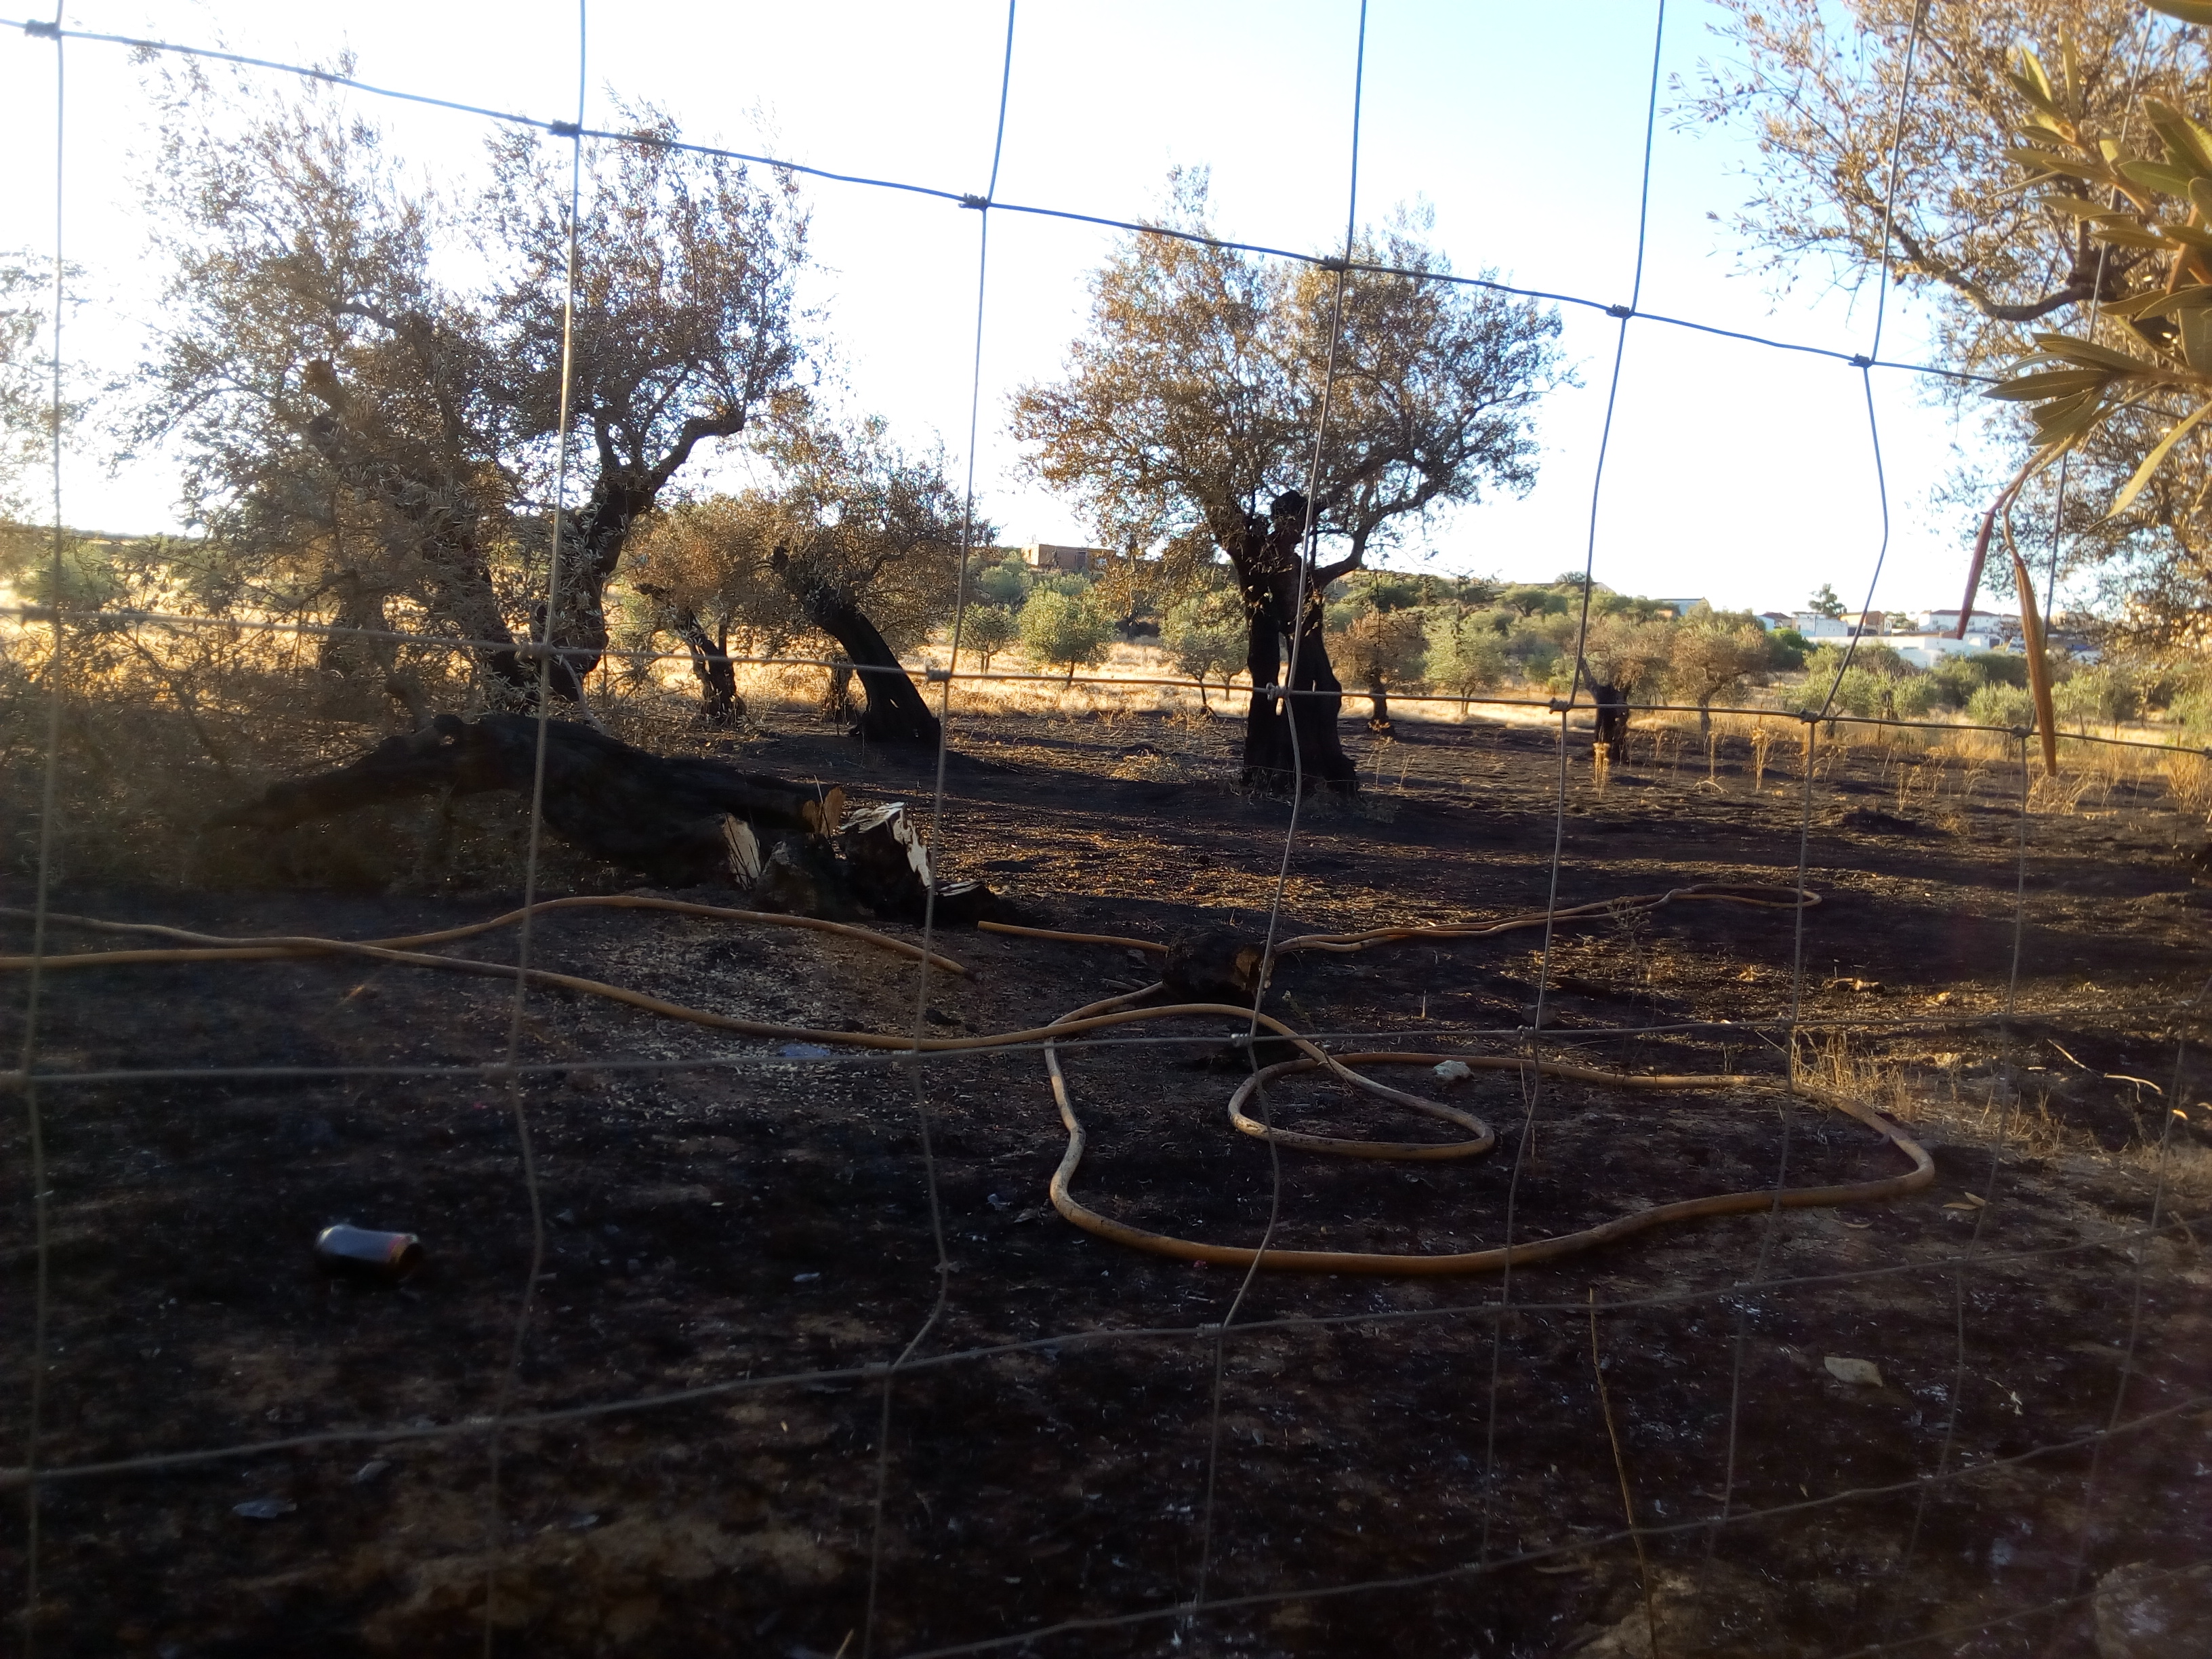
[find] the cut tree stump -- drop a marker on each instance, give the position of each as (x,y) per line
(889,870)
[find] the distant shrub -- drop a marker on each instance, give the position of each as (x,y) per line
(2001,705)
(1064,630)
(2000,668)
(1006,584)
(988,630)
(2102,694)
(1207,636)
(1466,654)
(1787,649)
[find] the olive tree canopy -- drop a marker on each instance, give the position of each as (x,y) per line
(1186,417)
(360,429)
(2012,221)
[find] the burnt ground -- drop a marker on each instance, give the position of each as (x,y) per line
(767,1214)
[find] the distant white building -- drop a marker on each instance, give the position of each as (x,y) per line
(1815,625)
(1991,624)
(1926,650)
(1772,620)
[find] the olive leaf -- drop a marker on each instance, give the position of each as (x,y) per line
(2152,461)
(2189,11)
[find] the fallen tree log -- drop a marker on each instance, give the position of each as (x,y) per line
(664,816)
(678,819)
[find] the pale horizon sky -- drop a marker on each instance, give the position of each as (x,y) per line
(1737,472)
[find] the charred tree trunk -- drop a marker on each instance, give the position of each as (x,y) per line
(660,815)
(719,705)
(1378,708)
(676,818)
(1286,737)
(592,544)
(1612,724)
(354,658)
(896,712)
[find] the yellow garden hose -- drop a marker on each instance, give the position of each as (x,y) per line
(1458,1261)
(1116,1011)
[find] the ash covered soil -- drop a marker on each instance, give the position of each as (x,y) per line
(772,1215)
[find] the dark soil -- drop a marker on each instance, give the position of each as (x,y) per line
(718,1212)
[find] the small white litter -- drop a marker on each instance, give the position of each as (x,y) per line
(1861,1373)
(1454,1071)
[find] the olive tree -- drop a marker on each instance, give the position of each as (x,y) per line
(1064,630)
(361,431)
(1186,415)
(853,547)
(2013,221)
(1204,636)
(1711,651)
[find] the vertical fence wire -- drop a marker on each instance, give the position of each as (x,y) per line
(2143,1249)
(34,1123)
(547,651)
(1967,1258)
(518,1106)
(1533,1075)
(942,1272)
(1791,1059)
(1286,710)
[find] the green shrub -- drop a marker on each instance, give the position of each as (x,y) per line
(1466,654)
(1531,648)
(2191,711)
(1915,698)
(2102,694)
(1787,649)
(1006,584)
(2002,668)
(987,630)
(1061,629)
(1956,679)
(2001,705)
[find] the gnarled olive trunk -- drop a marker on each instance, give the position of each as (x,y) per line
(1282,748)
(1611,725)
(895,710)
(719,705)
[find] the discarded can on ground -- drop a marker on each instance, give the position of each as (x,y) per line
(359,1253)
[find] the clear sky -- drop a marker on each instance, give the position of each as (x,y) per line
(1734,472)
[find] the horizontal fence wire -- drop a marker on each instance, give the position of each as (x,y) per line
(2120,1240)
(559,129)
(1567,1037)
(931,675)
(1735,1292)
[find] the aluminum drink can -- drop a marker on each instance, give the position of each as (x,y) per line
(361,1253)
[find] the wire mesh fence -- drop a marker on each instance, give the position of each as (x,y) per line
(752,1321)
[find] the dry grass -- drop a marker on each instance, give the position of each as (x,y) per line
(2189,779)
(1982,1100)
